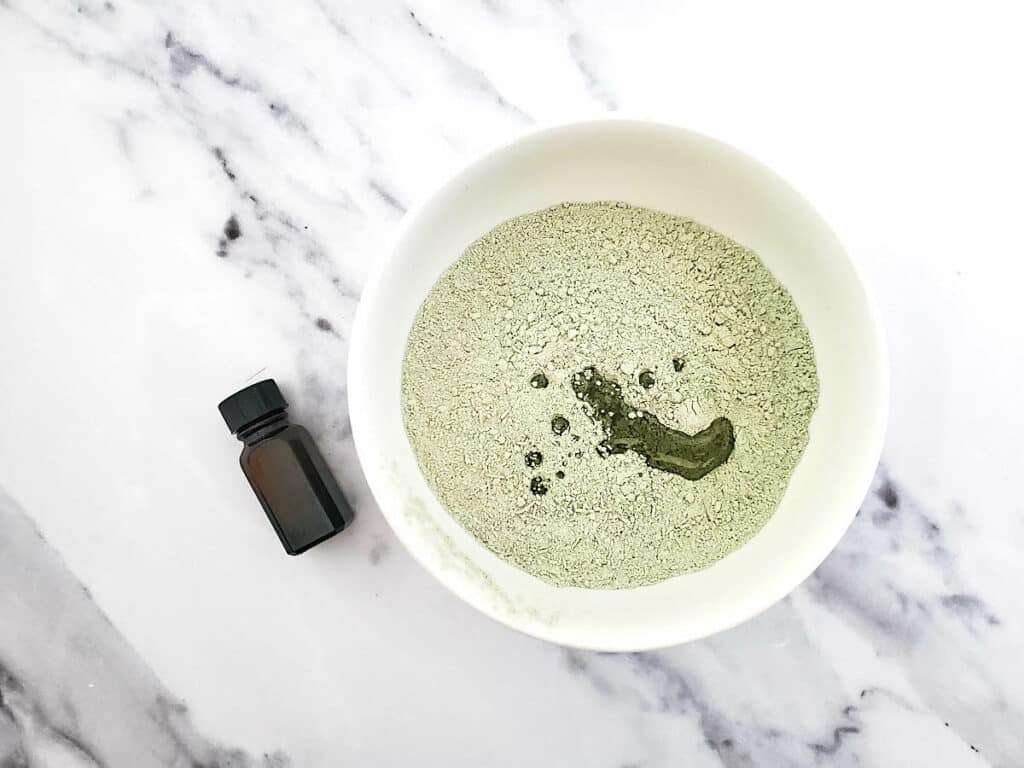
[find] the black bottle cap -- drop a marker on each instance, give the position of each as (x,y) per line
(251,404)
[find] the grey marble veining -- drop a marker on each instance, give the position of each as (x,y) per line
(73,692)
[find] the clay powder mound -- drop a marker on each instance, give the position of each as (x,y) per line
(688,324)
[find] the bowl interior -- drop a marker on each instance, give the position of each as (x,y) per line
(679,172)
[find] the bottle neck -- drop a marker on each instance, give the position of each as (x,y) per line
(263,428)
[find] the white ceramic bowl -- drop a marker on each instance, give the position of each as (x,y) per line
(672,170)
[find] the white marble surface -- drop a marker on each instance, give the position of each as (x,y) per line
(147,614)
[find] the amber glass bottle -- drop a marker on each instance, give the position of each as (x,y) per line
(286,471)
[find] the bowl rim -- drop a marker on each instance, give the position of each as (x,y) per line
(359,340)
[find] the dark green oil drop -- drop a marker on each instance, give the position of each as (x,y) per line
(559,425)
(538,487)
(534,458)
(677,364)
(646,379)
(539,380)
(664,448)
(560,475)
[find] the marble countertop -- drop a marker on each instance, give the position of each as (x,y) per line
(192,194)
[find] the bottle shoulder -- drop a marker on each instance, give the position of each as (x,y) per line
(292,434)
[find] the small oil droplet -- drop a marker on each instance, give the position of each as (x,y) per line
(534,458)
(539,380)
(646,379)
(559,425)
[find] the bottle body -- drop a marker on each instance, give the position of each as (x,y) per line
(293,483)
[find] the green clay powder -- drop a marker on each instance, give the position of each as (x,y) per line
(608,396)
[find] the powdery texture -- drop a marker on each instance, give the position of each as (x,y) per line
(624,289)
